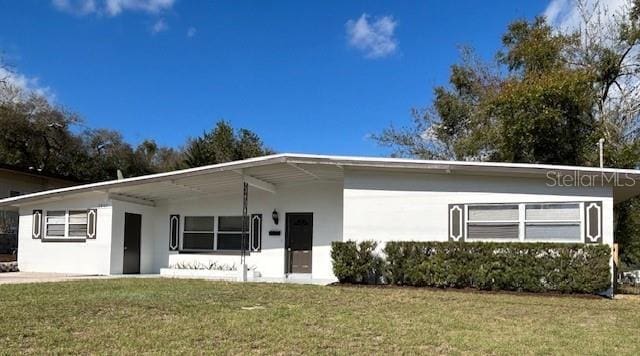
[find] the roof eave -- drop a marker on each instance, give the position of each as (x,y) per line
(447,167)
(105,186)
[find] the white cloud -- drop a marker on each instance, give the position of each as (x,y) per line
(76,7)
(25,84)
(373,36)
(112,7)
(115,7)
(566,15)
(159,26)
(191,31)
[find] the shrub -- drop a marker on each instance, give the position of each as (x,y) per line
(532,267)
(356,263)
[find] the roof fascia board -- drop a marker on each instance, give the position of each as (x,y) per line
(338,161)
(457,166)
(376,161)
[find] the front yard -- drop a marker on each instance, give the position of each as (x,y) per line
(191,316)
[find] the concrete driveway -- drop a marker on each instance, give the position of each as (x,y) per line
(37,277)
(34,277)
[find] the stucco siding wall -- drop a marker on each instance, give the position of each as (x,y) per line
(413,206)
(78,257)
(149,230)
(323,199)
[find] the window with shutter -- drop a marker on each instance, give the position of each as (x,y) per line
(206,233)
(530,222)
(65,224)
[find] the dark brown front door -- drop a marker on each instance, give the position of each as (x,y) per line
(298,242)
(131,261)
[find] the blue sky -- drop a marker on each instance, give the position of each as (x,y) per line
(314,77)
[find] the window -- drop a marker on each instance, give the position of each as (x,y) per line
(230,232)
(77,223)
(199,233)
(553,222)
(493,222)
(66,224)
(535,222)
(56,223)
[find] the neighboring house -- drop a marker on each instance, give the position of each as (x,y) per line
(14,182)
(296,205)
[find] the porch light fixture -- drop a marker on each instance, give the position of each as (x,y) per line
(275,217)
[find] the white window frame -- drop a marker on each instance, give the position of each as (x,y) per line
(213,232)
(66,225)
(522,222)
(216,233)
(510,222)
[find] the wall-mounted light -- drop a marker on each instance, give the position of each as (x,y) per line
(275,217)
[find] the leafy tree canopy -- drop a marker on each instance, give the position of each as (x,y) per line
(40,136)
(223,144)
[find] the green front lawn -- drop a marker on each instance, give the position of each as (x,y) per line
(191,316)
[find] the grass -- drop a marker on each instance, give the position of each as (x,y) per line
(192,316)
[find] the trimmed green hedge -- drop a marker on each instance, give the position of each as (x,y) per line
(531,267)
(357,263)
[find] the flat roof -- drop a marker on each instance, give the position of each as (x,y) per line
(278,168)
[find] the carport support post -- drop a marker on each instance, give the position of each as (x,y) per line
(245,220)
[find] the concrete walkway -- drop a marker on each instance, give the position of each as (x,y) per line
(36,277)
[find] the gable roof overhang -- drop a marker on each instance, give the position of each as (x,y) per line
(269,172)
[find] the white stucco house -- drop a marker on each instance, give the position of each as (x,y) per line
(295,205)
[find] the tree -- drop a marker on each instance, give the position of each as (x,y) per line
(39,136)
(107,152)
(538,111)
(36,135)
(547,97)
(157,158)
(222,144)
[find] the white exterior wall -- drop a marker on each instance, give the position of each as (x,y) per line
(413,206)
(78,257)
(151,227)
(323,199)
